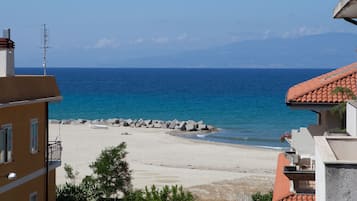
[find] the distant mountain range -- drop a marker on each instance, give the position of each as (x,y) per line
(316,51)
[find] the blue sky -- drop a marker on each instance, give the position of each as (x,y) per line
(148,28)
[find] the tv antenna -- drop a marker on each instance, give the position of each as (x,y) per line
(45,47)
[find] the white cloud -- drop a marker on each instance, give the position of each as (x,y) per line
(267,34)
(182,37)
(303,31)
(106,43)
(138,41)
(160,40)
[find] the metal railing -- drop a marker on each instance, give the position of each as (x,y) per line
(54,151)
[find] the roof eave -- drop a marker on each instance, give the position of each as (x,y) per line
(33,101)
(310,106)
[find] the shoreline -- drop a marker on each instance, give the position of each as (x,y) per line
(159,158)
(177,129)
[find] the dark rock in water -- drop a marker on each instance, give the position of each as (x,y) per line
(129,121)
(147,122)
(173,124)
(211,128)
(191,127)
(182,126)
(188,125)
(202,127)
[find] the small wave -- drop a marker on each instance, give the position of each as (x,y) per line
(271,147)
(244,138)
(201,135)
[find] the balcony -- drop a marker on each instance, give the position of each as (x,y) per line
(301,172)
(54,153)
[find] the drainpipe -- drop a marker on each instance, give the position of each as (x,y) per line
(46,142)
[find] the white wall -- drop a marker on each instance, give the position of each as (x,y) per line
(320,183)
(302,142)
(351,119)
(7,62)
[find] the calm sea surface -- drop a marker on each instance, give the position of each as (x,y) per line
(248,104)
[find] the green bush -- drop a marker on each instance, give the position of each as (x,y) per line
(263,197)
(71,192)
(173,193)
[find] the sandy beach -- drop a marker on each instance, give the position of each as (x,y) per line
(214,171)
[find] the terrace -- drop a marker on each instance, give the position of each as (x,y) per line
(54,153)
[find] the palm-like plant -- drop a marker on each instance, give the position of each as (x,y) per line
(340,109)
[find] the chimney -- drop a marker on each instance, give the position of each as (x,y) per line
(6,55)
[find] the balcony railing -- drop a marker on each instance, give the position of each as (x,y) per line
(54,151)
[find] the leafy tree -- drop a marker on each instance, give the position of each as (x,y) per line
(111,172)
(340,109)
(262,197)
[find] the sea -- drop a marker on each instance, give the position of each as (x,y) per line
(248,105)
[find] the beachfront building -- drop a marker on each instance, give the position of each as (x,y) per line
(295,176)
(27,157)
(317,95)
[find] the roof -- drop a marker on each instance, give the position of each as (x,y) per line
(6,43)
(17,90)
(299,197)
(282,184)
(346,9)
(318,90)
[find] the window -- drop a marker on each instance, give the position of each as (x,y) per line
(6,143)
(34,136)
(33,196)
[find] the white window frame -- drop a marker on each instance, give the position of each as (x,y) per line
(8,143)
(34,142)
(33,196)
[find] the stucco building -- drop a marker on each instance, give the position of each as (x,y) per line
(27,157)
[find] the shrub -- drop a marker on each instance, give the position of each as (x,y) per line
(262,197)
(71,192)
(173,193)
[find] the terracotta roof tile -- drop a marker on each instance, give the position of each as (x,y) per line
(319,89)
(282,183)
(299,197)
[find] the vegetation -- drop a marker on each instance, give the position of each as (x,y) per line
(72,192)
(111,180)
(262,197)
(173,193)
(340,109)
(111,172)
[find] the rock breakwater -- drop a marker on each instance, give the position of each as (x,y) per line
(175,125)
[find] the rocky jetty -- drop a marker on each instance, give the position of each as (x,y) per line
(175,125)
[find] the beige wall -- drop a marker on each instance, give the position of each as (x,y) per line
(37,185)
(23,161)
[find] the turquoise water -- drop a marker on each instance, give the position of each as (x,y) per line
(247,104)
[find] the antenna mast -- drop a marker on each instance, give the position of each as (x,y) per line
(44,47)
